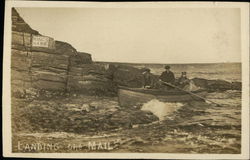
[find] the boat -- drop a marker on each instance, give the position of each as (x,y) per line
(128,97)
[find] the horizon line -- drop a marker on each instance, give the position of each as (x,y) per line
(164,63)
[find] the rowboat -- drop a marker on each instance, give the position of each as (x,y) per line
(138,96)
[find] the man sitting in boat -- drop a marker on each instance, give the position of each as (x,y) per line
(168,77)
(185,83)
(148,79)
(183,80)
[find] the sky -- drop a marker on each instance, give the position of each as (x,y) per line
(144,35)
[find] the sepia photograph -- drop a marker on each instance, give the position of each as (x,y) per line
(132,80)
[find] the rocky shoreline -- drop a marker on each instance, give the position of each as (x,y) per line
(60,96)
(45,80)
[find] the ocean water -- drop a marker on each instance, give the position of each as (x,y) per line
(225,71)
(199,127)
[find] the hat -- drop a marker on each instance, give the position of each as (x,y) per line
(146,70)
(167,67)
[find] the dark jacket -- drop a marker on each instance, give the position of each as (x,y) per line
(168,77)
(148,80)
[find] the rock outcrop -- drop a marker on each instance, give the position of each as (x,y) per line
(56,68)
(125,75)
(216,85)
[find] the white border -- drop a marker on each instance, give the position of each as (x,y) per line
(245,77)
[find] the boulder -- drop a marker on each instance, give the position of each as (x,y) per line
(126,75)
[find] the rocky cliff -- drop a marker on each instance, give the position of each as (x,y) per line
(56,68)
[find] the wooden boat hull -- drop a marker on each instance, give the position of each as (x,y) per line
(137,96)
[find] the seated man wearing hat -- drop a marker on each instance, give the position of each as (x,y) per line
(185,83)
(167,76)
(183,80)
(148,79)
